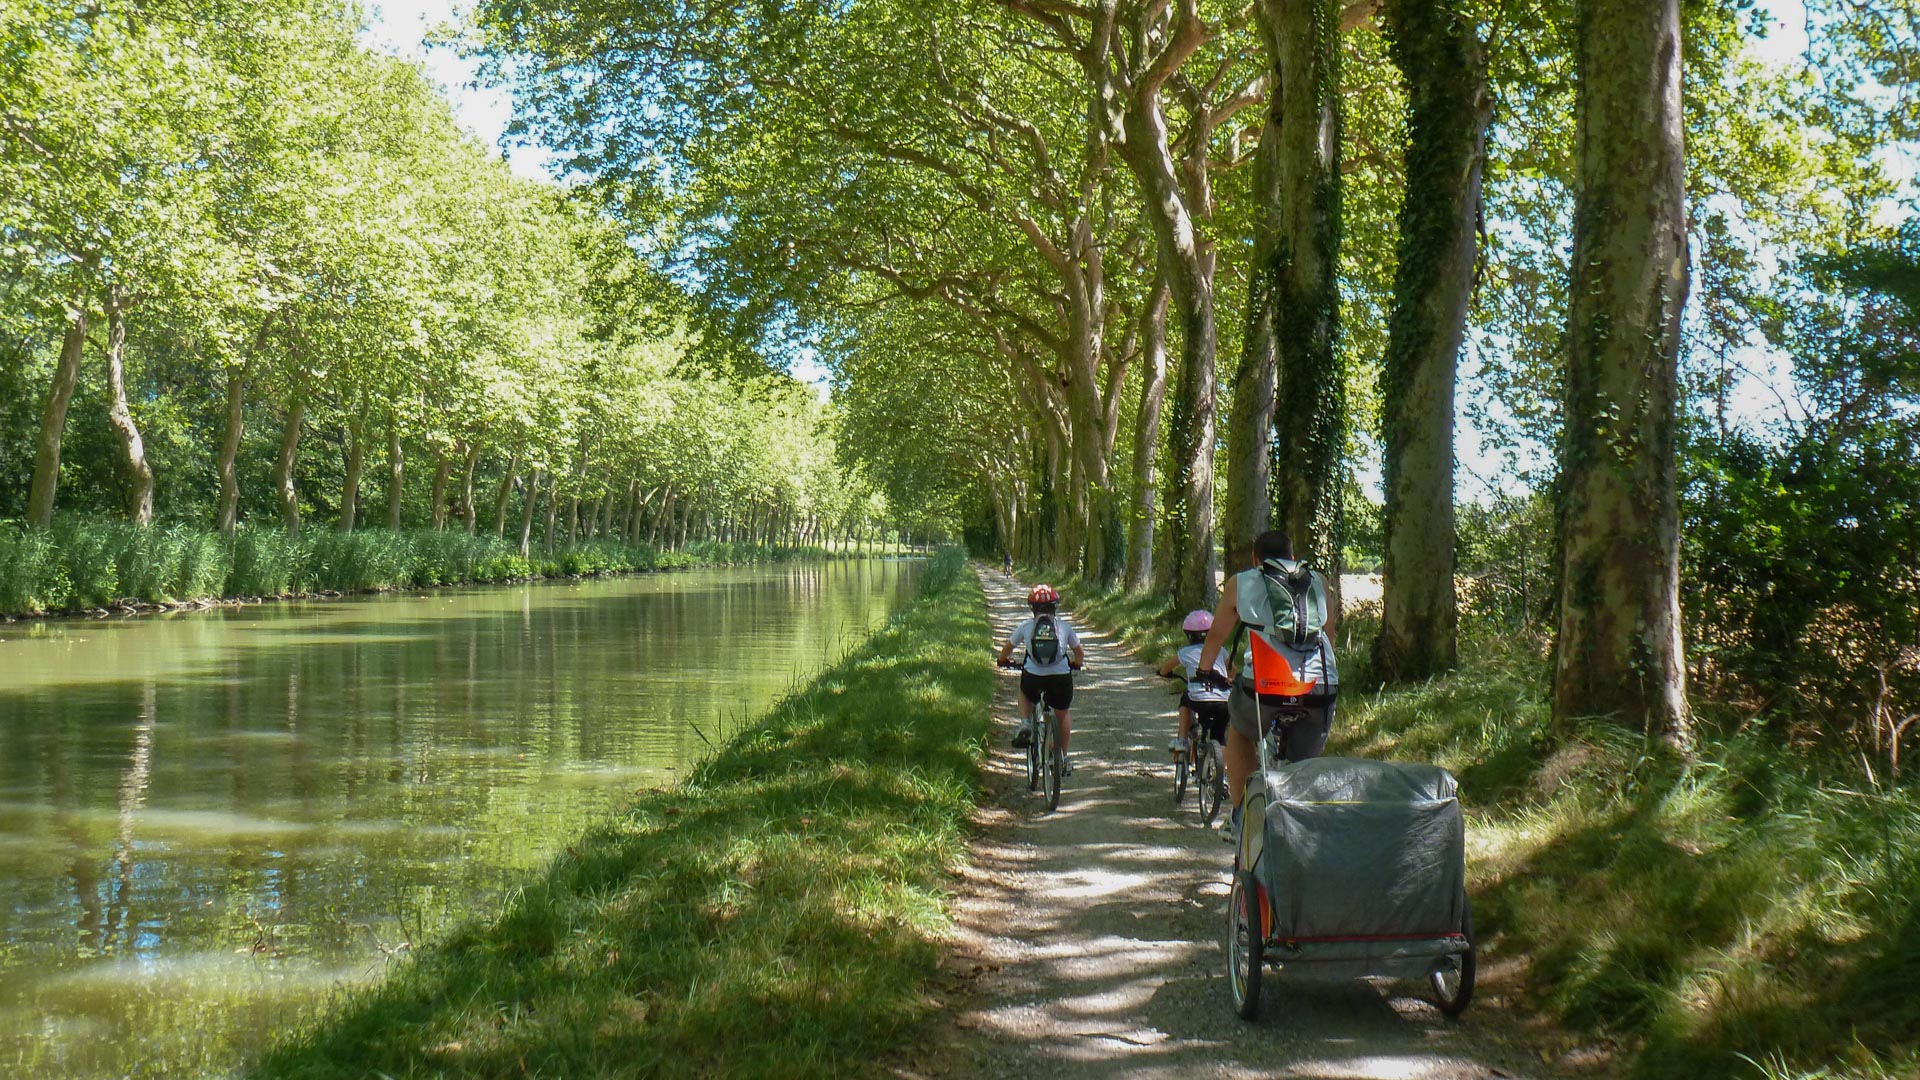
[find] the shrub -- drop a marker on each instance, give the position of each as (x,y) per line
(33,578)
(265,562)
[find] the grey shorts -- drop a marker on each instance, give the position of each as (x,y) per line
(1299,739)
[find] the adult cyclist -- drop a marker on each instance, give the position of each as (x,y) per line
(1282,604)
(1054,653)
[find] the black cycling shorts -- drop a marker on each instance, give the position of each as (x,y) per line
(1299,740)
(1210,715)
(1057,689)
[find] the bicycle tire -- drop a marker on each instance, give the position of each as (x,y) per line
(1212,783)
(1050,771)
(1033,749)
(1246,945)
(1180,775)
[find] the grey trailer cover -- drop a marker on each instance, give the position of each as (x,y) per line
(1364,858)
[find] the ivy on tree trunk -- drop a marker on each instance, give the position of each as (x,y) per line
(1618,651)
(1448,108)
(1309,414)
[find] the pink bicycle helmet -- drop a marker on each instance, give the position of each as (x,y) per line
(1197,621)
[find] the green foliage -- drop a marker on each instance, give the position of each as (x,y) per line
(1800,551)
(777,914)
(84,564)
(1504,551)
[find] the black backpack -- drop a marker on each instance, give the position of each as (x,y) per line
(1045,646)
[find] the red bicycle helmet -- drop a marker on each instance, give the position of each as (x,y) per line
(1043,594)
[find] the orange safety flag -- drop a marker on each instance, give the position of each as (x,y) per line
(1272,675)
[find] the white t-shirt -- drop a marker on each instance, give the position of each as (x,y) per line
(1197,690)
(1023,635)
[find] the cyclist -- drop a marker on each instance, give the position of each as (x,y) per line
(1205,697)
(1054,653)
(1006,563)
(1282,604)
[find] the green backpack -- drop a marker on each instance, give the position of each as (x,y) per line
(1296,606)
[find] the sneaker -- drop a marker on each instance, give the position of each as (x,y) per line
(1231,834)
(1024,737)
(1178,746)
(1066,765)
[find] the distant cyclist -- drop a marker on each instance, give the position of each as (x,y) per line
(1282,604)
(1054,653)
(1006,564)
(1206,698)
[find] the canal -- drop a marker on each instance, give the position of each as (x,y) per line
(211,821)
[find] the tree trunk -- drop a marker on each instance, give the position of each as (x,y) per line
(553,510)
(227,515)
(137,473)
(1309,414)
(289,457)
(356,465)
(1448,109)
(53,423)
(526,514)
(396,474)
(1618,652)
(505,494)
(442,470)
(466,488)
(1146,437)
(662,522)
(1186,263)
(1249,504)
(630,524)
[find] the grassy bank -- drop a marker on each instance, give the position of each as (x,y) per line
(1753,913)
(776,915)
(84,564)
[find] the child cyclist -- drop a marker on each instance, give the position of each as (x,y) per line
(1205,698)
(1053,655)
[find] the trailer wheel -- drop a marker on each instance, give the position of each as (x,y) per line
(1453,983)
(1246,947)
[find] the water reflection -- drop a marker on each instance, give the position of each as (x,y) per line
(206,819)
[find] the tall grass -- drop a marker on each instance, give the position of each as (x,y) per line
(778,914)
(84,564)
(1752,912)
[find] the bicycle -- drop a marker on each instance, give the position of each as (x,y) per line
(1045,760)
(1202,761)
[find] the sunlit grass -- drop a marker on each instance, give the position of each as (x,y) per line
(775,915)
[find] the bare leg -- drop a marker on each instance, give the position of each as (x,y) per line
(1186,721)
(1241,758)
(1066,727)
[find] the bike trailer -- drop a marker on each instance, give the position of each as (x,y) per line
(1350,867)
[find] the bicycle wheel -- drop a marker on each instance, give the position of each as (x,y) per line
(1180,775)
(1212,783)
(1050,769)
(1246,947)
(1453,982)
(1033,749)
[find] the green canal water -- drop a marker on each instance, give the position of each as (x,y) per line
(211,822)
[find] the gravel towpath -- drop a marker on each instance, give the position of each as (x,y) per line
(1089,940)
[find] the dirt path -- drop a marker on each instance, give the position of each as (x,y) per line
(1089,940)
